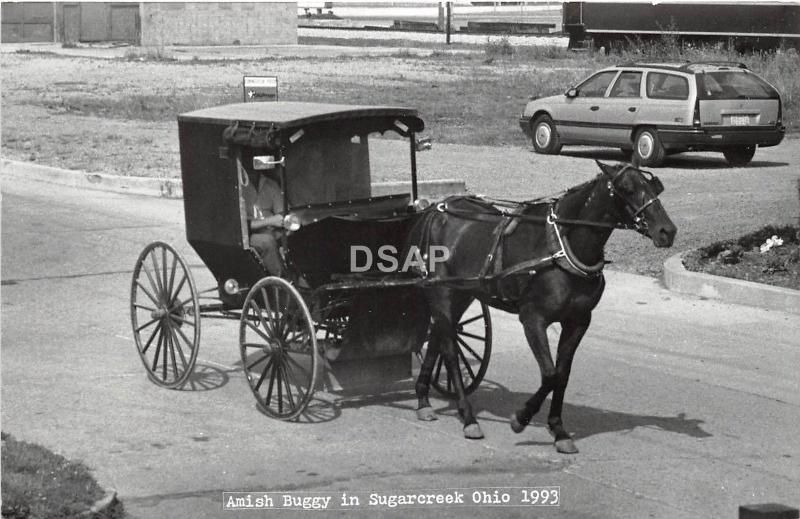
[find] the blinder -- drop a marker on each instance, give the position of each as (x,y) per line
(639,224)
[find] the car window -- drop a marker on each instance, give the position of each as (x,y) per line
(733,85)
(667,86)
(596,85)
(627,85)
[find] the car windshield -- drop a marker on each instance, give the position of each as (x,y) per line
(733,85)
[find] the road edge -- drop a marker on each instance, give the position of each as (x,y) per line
(173,188)
(728,290)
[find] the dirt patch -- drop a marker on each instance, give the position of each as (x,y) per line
(757,257)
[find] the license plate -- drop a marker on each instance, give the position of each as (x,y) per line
(740,120)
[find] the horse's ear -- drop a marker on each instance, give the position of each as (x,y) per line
(635,161)
(603,167)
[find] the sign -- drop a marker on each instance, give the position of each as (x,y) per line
(260,88)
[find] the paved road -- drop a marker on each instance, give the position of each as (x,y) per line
(682,408)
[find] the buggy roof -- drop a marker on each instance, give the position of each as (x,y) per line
(282,115)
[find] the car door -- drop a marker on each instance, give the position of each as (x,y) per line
(619,111)
(577,118)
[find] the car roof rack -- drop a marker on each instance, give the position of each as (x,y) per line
(734,64)
(663,66)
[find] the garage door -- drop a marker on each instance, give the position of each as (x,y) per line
(27,22)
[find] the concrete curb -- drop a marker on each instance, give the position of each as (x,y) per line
(100,507)
(728,290)
(173,188)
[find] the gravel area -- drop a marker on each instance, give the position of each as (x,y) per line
(44,121)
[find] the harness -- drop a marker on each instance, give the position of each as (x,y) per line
(559,251)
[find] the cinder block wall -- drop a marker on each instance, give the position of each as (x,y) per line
(218,23)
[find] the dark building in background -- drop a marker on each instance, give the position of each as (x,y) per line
(151,23)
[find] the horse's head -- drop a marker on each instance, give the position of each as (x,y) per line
(636,193)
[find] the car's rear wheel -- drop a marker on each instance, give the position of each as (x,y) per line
(739,156)
(647,148)
(544,137)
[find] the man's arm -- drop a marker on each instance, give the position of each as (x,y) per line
(275,220)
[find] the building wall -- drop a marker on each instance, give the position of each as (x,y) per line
(26,22)
(218,23)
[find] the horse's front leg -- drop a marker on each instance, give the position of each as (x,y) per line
(535,326)
(572,332)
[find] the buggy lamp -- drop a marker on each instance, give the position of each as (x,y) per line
(420,204)
(291,222)
(262,162)
(231,287)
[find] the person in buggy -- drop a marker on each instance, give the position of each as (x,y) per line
(264,202)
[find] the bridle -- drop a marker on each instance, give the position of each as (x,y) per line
(634,212)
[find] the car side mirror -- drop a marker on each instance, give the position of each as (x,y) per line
(572,92)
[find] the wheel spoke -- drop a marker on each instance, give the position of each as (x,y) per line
(142,307)
(147,292)
(150,340)
(472,336)
(158,350)
(152,283)
(296,381)
(172,278)
(264,376)
(172,351)
(280,386)
(289,394)
(173,295)
(472,352)
(268,328)
(156,268)
(181,320)
(271,384)
(148,323)
(259,332)
(185,338)
(466,364)
(257,361)
(177,344)
(470,320)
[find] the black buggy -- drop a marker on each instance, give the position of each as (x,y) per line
(318,311)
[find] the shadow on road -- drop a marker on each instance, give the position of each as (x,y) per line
(207,378)
(679,160)
(582,421)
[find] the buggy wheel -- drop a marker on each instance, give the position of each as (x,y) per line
(473,336)
(278,343)
(165,315)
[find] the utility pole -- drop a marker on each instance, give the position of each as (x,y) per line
(449,16)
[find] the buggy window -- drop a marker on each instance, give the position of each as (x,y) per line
(667,86)
(596,85)
(627,85)
(733,85)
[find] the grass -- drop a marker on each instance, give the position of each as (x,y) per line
(39,483)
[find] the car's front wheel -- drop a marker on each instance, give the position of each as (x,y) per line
(647,148)
(545,138)
(739,156)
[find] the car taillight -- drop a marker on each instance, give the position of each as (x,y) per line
(696,116)
(779,122)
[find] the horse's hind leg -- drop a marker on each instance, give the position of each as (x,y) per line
(572,332)
(447,306)
(423,385)
(536,332)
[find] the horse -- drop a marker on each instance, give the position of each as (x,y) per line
(543,260)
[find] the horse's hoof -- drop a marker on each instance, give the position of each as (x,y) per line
(426,414)
(566,446)
(516,426)
(473,431)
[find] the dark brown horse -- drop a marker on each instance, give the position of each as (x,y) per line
(543,261)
